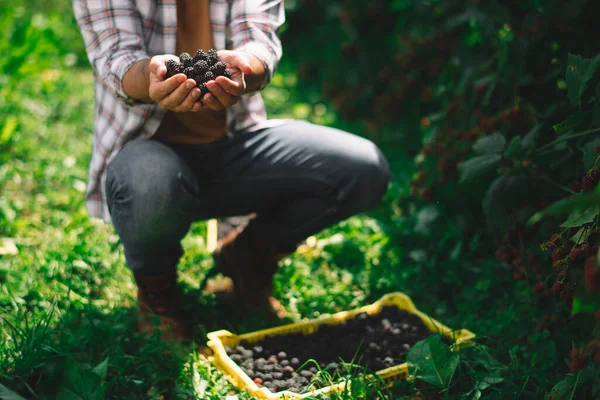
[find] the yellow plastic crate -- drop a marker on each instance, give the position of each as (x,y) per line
(219,339)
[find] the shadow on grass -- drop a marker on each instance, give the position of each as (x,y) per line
(210,312)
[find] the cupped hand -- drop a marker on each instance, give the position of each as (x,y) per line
(176,93)
(225,92)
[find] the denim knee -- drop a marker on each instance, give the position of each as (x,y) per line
(144,187)
(371,176)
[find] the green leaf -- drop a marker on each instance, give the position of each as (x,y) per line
(576,67)
(7,394)
(563,389)
(493,144)
(589,153)
(10,126)
(530,137)
(432,361)
(483,284)
(565,206)
(572,123)
(590,80)
(581,235)
(101,369)
(478,166)
(585,302)
(581,217)
(81,382)
(514,147)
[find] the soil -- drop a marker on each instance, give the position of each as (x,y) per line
(373,341)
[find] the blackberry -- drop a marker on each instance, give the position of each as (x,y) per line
(227,74)
(173,68)
(199,56)
(201,66)
(185,59)
(209,76)
(189,72)
(203,88)
(211,57)
(218,68)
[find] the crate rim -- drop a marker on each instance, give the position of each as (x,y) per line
(460,337)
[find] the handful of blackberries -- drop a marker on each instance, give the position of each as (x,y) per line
(202,67)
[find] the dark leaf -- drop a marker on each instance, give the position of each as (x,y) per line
(576,67)
(581,217)
(590,154)
(590,80)
(572,123)
(566,206)
(478,166)
(493,144)
(7,394)
(563,389)
(514,148)
(101,369)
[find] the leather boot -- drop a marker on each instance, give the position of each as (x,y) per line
(241,256)
(159,298)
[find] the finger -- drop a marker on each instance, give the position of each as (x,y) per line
(197,106)
(230,86)
(174,100)
(157,66)
(221,94)
(188,103)
(211,101)
(161,89)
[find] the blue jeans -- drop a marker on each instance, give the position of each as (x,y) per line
(298,179)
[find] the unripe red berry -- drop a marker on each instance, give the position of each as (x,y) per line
(539,287)
(578,360)
(591,275)
(557,287)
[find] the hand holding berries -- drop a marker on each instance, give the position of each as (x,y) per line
(221,85)
(174,92)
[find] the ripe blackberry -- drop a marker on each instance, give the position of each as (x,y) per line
(209,76)
(203,89)
(189,72)
(185,59)
(173,68)
(218,68)
(211,57)
(227,74)
(199,56)
(201,67)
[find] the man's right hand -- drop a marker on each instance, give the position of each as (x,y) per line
(176,93)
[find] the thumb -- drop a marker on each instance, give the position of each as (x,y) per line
(243,64)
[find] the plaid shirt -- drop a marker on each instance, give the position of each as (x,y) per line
(118,33)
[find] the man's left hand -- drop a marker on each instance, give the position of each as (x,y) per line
(226,92)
